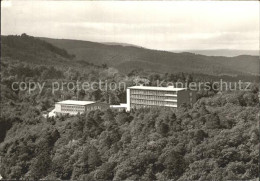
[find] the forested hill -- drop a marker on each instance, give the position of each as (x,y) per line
(216,139)
(32,50)
(127,58)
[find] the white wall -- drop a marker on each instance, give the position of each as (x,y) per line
(57,108)
(128,100)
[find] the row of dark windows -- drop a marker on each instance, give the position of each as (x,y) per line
(151,97)
(152,102)
(152,92)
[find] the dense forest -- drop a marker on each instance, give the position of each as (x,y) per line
(215,139)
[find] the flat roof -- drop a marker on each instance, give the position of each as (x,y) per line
(74,102)
(170,88)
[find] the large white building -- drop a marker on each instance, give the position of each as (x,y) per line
(146,96)
(73,107)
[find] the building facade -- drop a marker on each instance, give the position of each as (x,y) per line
(146,96)
(73,107)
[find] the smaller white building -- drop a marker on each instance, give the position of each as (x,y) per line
(74,107)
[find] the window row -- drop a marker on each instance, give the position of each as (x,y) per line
(158,98)
(93,108)
(143,105)
(78,109)
(71,110)
(152,92)
(72,107)
(151,102)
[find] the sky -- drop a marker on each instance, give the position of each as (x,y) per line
(164,25)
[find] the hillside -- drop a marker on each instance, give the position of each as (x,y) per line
(33,51)
(223,52)
(216,139)
(127,58)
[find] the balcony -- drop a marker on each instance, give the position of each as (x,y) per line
(170,100)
